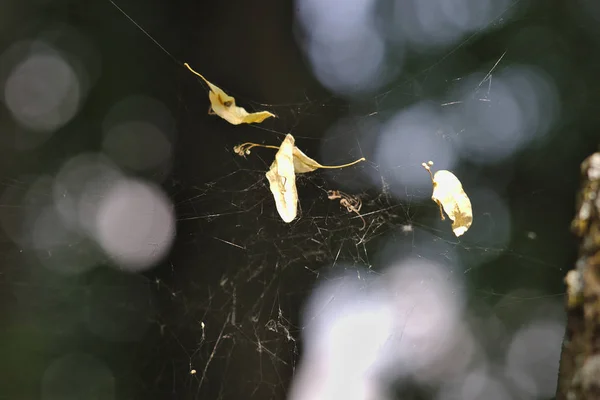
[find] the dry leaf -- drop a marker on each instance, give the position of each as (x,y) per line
(224,106)
(282,181)
(302,162)
(289,160)
(448,193)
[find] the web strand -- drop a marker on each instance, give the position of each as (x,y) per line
(145,32)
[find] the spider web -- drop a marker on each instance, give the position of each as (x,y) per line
(231,307)
(274,266)
(247,316)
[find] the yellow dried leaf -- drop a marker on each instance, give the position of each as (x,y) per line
(224,106)
(302,162)
(282,181)
(449,195)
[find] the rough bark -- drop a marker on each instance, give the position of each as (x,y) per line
(579,373)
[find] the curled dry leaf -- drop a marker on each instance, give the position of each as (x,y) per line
(282,181)
(244,148)
(302,162)
(449,195)
(224,106)
(352,203)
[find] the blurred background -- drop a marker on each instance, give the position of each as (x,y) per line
(141,258)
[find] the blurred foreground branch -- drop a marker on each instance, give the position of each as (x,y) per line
(579,373)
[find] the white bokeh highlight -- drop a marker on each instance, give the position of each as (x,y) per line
(33,220)
(42,92)
(135,224)
(79,186)
(406,140)
(44,82)
(342,43)
(345,331)
(532,355)
(441,23)
(503,113)
(355,46)
(360,332)
(364,332)
(133,221)
(480,385)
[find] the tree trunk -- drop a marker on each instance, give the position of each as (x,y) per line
(579,373)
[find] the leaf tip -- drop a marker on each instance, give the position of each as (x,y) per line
(460,230)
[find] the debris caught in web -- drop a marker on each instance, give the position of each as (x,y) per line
(352,203)
(449,195)
(302,162)
(289,160)
(223,105)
